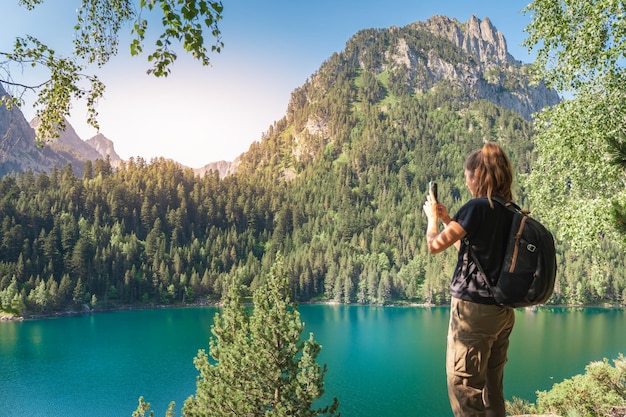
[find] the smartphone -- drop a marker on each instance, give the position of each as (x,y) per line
(432,187)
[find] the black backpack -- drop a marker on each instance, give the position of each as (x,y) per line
(529,266)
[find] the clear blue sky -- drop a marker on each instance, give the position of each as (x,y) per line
(204,114)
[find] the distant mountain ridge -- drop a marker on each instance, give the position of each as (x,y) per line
(223,168)
(471,58)
(104,147)
(98,147)
(19,152)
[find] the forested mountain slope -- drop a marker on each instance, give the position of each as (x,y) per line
(336,186)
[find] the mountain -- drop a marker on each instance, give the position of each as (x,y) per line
(471,58)
(105,148)
(223,168)
(16,137)
(68,142)
(490,72)
(440,62)
(19,151)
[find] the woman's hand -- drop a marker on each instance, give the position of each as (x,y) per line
(438,242)
(442,213)
(435,210)
(430,208)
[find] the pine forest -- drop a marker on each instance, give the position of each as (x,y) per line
(336,187)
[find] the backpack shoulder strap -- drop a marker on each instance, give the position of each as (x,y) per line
(509,205)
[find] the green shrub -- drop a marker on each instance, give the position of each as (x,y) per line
(591,394)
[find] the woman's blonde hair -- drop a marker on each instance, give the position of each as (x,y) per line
(491,172)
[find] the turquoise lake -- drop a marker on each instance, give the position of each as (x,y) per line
(382,361)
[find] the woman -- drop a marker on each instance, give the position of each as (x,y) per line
(478,336)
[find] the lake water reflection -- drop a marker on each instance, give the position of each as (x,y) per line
(382,361)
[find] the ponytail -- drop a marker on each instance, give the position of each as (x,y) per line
(491,172)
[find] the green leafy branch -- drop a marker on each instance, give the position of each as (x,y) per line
(96,41)
(184,21)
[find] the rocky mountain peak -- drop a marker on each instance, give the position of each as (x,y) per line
(105,147)
(483,40)
(487,71)
(477,37)
(69,141)
(19,151)
(223,168)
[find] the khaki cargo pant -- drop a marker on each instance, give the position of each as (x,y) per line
(478,340)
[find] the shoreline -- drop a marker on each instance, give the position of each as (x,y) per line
(5,316)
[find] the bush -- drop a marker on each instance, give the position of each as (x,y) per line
(592,394)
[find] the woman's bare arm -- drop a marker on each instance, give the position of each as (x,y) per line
(450,235)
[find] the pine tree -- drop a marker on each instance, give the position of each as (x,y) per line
(259,366)
(78,293)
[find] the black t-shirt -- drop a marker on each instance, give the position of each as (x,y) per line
(487,232)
